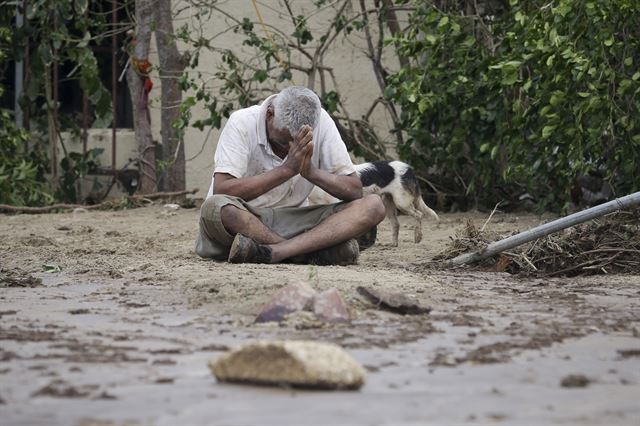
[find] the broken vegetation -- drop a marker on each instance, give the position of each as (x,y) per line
(610,244)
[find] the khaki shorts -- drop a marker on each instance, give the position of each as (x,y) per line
(214,240)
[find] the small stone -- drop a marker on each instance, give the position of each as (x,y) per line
(575,381)
(329,306)
(172,206)
(80,210)
(291,298)
(302,364)
(395,302)
(629,353)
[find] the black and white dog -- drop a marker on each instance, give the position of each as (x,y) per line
(398,187)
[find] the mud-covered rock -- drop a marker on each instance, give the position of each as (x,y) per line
(395,302)
(575,381)
(302,364)
(329,306)
(291,298)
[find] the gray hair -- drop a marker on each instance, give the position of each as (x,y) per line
(295,107)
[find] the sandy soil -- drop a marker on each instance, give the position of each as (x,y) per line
(127,317)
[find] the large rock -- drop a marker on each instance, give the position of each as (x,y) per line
(292,298)
(303,364)
(329,306)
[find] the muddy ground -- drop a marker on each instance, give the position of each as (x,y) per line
(121,329)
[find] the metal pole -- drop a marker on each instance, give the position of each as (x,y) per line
(26,112)
(54,127)
(85,114)
(114,77)
(546,229)
(85,123)
(19,75)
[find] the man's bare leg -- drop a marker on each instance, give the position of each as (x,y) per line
(236,220)
(354,220)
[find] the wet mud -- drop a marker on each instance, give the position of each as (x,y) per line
(109,318)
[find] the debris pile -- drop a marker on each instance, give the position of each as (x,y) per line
(610,244)
(18,278)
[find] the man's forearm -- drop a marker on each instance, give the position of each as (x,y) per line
(343,187)
(252,187)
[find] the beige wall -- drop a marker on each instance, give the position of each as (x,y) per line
(102,138)
(352,69)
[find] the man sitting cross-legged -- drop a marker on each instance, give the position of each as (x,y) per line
(268,159)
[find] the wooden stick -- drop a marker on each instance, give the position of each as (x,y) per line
(48,209)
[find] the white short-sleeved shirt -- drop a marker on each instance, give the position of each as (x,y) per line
(243,151)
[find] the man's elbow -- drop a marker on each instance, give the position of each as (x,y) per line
(355,192)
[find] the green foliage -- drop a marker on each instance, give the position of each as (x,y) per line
(74,167)
(22,171)
(22,180)
(524,100)
(63,33)
(59,31)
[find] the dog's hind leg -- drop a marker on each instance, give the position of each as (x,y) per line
(405,202)
(417,215)
(392,215)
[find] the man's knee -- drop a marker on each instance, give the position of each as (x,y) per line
(371,209)
(376,208)
(231,216)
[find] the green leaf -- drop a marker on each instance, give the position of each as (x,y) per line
(509,76)
(51,268)
(45,53)
(494,152)
(423,104)
(556,98)
(80,6)
(550,60)
(260,76)
(624,86)
(547,131)
(189,101)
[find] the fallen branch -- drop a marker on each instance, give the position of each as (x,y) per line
(546,229)
(106,204)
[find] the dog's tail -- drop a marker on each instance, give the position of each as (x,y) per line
(420,205)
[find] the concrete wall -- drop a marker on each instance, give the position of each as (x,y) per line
(102,138)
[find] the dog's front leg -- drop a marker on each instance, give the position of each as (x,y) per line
(392,215)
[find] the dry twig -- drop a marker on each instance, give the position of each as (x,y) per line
(134,199)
